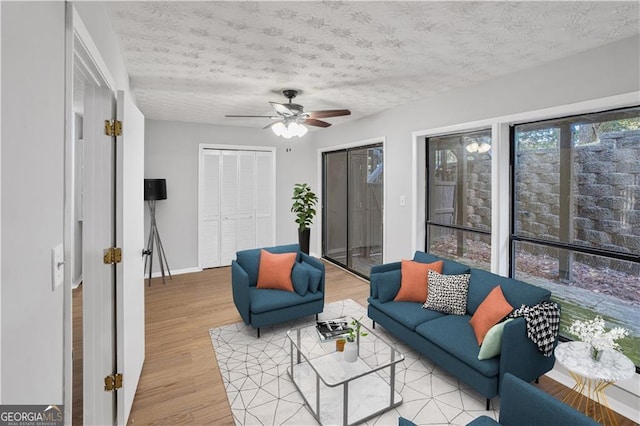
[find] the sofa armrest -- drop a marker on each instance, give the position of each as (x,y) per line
(385,268)
(240,288)
(376,277)
(316,263)
(520,356)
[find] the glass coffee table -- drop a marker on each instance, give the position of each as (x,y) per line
(341,392)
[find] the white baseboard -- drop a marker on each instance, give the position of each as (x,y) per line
(175,272)
(624,396)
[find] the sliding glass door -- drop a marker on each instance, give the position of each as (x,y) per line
(353,207)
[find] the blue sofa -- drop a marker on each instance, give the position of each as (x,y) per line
(265,307)
(449,340)
(522,404)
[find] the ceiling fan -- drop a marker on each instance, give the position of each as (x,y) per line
(290,118)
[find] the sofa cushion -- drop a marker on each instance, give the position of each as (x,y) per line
(409,314)
(315,276)
(275,270)
(447,293)
(453,334)
(449,267)
(249,260)
(414,281)
(491,311)
(516,292)
(492,343)
(300,278)
(265,300)
(386,284)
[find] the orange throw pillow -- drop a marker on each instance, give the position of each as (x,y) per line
(415,280)
(492,309)
(274,270)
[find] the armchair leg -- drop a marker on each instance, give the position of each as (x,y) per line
(258,332)
(316,317)
(374,324)
(488,404)
(537,380)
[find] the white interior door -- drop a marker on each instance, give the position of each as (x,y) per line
(209,204)
(236,203)
(265,192)
(98,278)
(246,232)
(229,206)
(130,333)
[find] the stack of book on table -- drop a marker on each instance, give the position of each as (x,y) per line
(333,329)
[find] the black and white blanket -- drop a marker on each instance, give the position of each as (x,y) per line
(543,324)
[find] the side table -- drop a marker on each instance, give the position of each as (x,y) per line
(593,376)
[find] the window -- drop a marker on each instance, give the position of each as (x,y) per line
(459,197)
(576,215)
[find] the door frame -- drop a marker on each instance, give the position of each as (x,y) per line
(316,243)
(222,147)
(81,49)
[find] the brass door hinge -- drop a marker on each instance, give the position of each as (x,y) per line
(113,382)
(112,127)
(112,255)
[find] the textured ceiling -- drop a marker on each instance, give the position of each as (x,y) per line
(197,61)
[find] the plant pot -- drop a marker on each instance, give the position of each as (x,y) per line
(351,352)
(303,240)
(340,345)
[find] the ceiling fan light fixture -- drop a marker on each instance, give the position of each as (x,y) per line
(484,147)
(279,128)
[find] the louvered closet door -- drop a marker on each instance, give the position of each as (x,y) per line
(264,199)
(236,204)
(209,234)
(246,232)
(229,205)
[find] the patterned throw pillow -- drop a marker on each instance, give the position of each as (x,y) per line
(448,293)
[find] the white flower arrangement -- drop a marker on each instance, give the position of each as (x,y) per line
(594,333)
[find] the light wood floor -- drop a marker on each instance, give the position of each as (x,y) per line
(180,382)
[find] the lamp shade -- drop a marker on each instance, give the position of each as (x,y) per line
(155,189)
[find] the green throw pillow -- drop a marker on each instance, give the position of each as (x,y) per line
(492,341)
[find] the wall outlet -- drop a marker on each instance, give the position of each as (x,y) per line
(57,266)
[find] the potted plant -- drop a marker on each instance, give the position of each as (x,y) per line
(351,348)
(304,203)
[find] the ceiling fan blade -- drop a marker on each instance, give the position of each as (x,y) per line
(329,113)
(281,108)
(252,116)
(317,123)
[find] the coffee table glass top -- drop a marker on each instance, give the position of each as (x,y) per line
(374,354)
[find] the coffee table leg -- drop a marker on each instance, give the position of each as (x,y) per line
(345,403)
(318,396)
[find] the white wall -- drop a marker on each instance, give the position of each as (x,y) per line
(33,72)
(602,72)
(171,152)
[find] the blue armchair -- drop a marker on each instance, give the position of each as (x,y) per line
(261,307)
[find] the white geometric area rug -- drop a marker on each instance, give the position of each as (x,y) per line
(260,391)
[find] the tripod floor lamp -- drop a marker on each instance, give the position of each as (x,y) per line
(155,189)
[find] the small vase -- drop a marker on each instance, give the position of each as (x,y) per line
(596,353)
(351,352)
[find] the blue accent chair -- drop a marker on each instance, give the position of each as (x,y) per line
(265,307)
